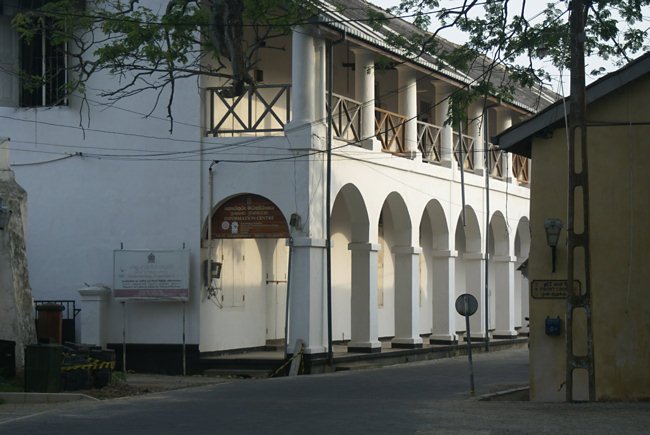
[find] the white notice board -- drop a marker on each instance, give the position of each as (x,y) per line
(151,275)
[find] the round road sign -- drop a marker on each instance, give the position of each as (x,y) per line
(466,304)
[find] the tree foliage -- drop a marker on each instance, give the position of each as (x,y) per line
(149,47)
(510,37)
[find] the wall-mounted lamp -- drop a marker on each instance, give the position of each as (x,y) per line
(5,215)
(553,227)
(295,221)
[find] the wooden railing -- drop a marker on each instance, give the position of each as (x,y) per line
(495,159)
(520,167)
(429,141)
(467,147)
(346,119)
(260,109)
(390,131)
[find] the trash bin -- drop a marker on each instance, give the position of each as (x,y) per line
(7,359)
(43,368)
(50,323)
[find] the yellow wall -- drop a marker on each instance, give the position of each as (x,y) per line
(619,181)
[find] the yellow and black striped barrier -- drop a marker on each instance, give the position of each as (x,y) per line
(91,364)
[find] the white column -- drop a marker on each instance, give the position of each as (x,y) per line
(408,107)
(93,307)
(504,122)
(476,129)
(364,85)
(307,320)
(443,91)
(504,270)
(303,78)
(518,311)
(320,97)
(364,298)
(475,285)
(4,154)
(444,297)
(407,292)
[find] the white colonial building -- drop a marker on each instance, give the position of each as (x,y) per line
(243,182)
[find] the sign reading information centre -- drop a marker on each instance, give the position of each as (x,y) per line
(151,275)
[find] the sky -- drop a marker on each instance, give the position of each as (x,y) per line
(561,80)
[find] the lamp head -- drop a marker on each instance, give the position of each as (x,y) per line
(553,227)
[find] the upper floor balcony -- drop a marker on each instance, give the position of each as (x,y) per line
(401,108)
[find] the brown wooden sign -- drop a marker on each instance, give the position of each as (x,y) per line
(552,289)
(249,217)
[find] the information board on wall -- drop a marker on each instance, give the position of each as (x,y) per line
(151,275)
(552,289)
(249,216)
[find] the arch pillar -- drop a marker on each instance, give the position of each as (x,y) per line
(306,302)
(364,327)
(504,270)
(444,269)
(522,286)
(407,291)
(474,281)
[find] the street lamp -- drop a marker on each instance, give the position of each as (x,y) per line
(5,215)
(553,227)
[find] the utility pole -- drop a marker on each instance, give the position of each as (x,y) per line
(578,183)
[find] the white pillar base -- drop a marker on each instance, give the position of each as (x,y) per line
(443,339)
(364,346)
(371,144)
(413,155)
(504,334)
(407,343)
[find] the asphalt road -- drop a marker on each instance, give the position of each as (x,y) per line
(424,397)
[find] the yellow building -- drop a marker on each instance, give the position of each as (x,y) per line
(618,141)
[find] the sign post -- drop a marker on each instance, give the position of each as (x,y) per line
(466,305)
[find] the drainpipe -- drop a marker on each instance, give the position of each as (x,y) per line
(487,230)
(330,353)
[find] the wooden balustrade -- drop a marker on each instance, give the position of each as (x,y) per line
(390,131)
(466,144)
(429,141)
(520,165)
(495,160)
(346,119)
(260,109)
